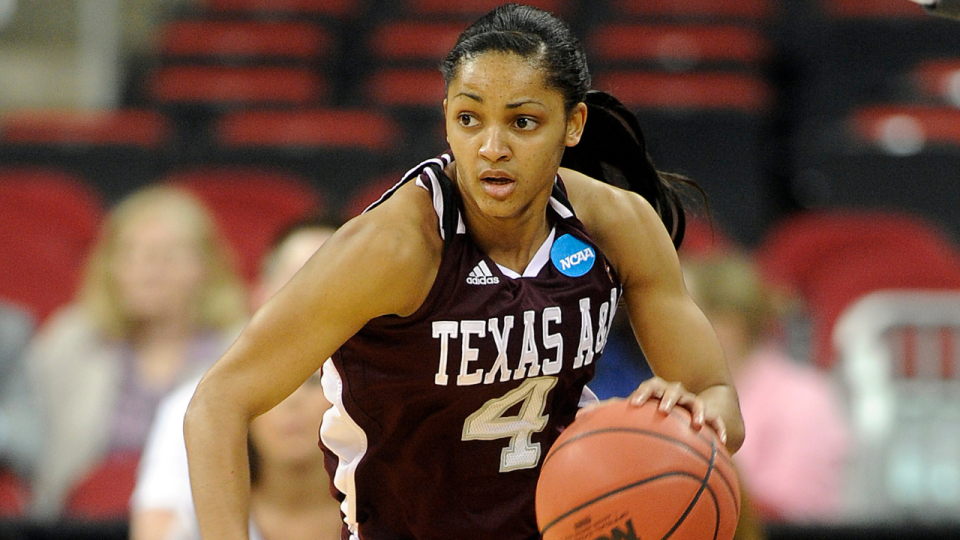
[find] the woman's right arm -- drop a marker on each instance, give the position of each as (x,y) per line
(383,262)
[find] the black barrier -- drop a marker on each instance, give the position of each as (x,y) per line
(119,530)
(65,530)
(903,531)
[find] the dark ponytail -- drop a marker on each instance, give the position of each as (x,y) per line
(613,149)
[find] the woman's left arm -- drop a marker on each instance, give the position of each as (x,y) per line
(677,340)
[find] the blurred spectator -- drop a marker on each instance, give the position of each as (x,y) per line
(159,303)
(793,459)
(18,413)
(290,496)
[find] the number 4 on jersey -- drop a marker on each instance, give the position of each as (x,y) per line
(489,423)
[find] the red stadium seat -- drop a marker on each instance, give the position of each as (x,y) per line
(14,494)
(245,39)
(413,40)
(104,493)
(48,221)
(699,9)
(872,9)
(251,206)
(330,128)
(472,8)
(236,85)
(677,46)
(327,8)
(406,88)
(940,79)
(794,247)
(142,128)
(702,239)
(843,280)
(829,259)
(695,90)
(905,129)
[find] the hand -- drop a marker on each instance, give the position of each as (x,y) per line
(671,394)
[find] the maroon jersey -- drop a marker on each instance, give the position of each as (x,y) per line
(441,419)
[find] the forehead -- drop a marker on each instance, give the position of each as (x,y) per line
(501,75)
(154,223)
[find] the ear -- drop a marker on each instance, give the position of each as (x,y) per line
(576,120)
(446,136)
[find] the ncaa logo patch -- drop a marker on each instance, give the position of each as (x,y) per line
(571,256)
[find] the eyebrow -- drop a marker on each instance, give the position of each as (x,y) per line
(476,98)
(514,105)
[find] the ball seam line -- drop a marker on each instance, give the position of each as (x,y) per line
(703,486)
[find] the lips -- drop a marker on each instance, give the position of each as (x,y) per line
(497,184)
(492,175)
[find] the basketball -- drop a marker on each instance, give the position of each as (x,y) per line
(624,472)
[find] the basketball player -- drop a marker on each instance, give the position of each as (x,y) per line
(464,312)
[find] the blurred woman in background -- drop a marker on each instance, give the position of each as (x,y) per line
(290,496)
(159,303)
(792,463)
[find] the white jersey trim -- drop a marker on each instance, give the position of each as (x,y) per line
(536,264)
(345,438)
(442,161)
(560,209)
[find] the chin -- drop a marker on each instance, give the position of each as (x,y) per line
(499,210)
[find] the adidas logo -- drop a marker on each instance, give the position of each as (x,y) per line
(481,275)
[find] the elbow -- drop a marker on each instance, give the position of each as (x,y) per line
(735,436)
(214,413)
(193,418)
(200,417)
(735,427)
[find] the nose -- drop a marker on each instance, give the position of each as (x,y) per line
(495,146)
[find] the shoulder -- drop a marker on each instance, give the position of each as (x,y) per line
(601,206)
(163,476)
(404,221)
(175,403)
(402,231)
(389,254)
(67,331)
(14,320)
(16,329)
(625,226)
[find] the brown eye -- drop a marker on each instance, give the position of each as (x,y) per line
(466,120)
(525,124)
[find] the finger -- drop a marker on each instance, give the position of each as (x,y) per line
(697,414)
(647,389)
(719,426)
(671,396)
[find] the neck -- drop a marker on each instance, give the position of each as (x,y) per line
(165,331)
(295,502)
(160,351)
(510,241)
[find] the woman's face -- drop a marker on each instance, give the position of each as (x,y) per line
(286,435)
(507,131)
(157,268)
